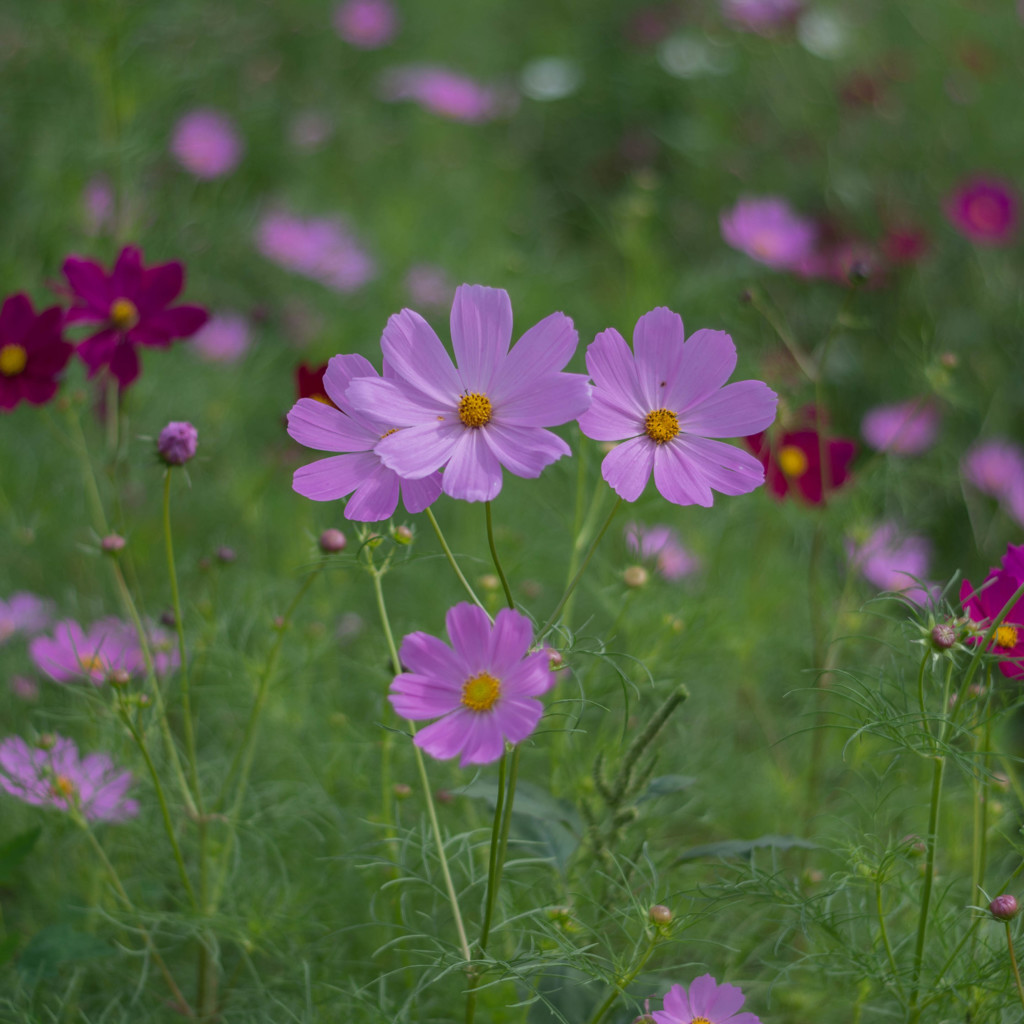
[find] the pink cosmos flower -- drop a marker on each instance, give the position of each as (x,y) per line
(55,776)
(482,689)
(665,400)
(1013,562)
(706,1002)
(320,248)
(986,603)
(488,411)
(206,143)
(356,433)
(792,462)
(133,306)
(23,613)
(894,563)
(996,468)
(32,352)
(984,210)
(98,205)
(906,428)
(367,24)
(768,231)
(75,655)
(762,16)
(223,339)
(443,92)
(661,545)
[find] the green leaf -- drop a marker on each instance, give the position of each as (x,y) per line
(14,851)
(8,948)
(58,944)
(745,847)
(665,784)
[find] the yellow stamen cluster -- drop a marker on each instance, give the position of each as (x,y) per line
(661,425)
(322,399)
(1006,637)
(481,692)
(388,433)
(62,786)
(475,410)
(124,314)
(12,360)
(91,662)
(792,460)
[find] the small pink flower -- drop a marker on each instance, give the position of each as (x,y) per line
(223,339)
(906,428)
(23,613)
(894,563)
(76,655)
(661,545)
(206,143)
(98,203)
(367,24)
(762,16)
(996,468)
(706,1002)
(768,231)
(443,92)
(984,210)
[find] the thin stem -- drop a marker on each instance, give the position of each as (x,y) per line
(807,367)
(1013,963)
(622,983)
(495,559)
(583,528)
(451,560)
(884,932)
(494,851)
(574,582)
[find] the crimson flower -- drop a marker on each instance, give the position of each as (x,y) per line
(986,603)
(804,462)
(132,304)
(309,383)
(32,352)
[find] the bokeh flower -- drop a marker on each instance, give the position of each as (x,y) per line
(762,16)
(24,613)
(803,462)
(985,604)
(207,144)
(177,443)
(660,544)
(133,306)
(984,210)
(320,248)
(54,775)
(32,352)
(665,400)
(77,655)
(428,285)
(98,206)
(706,1002)
(489,411)
(309,383)
(768,231)
(356,434)
(996,468)
(905,428)
(894,562)
(444,92)
(366,24)
(223,339)
(482,689)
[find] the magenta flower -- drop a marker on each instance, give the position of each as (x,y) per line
(984,210)
(133,305)
(1013,562)
(75,655)
(223,339)
(768,231)
(665,400)
(367,24)
(660,544)
(32,352)
(985,604)
(23,613)
(320,248)
(55,776)
(206,143)
(996,468)
(707,1002)
(762,16)
(443,92)
(357,434)
(489,411)
(894,563)
(482,689)
(906,428)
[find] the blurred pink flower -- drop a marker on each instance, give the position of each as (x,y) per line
(367,24)
(310,129)
(223,339)
(996,468)
(894,562)
(761,16)
(428,285)
(317,247)
(206,143)
(661,545)
(984,210)
(24,688)
(98,205)
(23,612)
(768,231)
(444,92)
(906,428)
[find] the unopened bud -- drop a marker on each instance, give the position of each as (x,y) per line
(660,914)
(177,443)
(47,741)
(1004,908)
(332,541)
(943,636)
(226,555)
(950,360)
(444,796)
(403,535)
(143,700)
(489,581)
(402,790)
(555,660)
(167,619)
(112,543)
(635,576)
(118,677)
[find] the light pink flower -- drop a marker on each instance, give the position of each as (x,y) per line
(768,231)
(98,203)
(367,24)
(996,468)
(894,562)
(906,428)
(444,92)
(25,613)
(661,545)
(428,285)
(762,16)
(706,1002)
(223,339)
(207,144)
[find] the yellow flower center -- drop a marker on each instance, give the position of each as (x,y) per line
(124,314)
(321,398)
(388,433)
(62,786)
(792,460)
(661,425)
(475,410)
(700,1020)
(481,693)
(12,360)
(1006,637)
(91,662)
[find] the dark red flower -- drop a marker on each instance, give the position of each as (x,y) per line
(985,604)
(133,305)
(793,462)
(32,352)
(309,383)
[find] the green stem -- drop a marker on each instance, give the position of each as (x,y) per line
(494,851)
(622,983)
(807,367)
(451,560)
(1013,964)
(884,932)
(495,559)
(583,528)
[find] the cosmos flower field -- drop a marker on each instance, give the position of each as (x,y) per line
(511,512)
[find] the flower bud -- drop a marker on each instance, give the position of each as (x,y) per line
(167,619)
(1004,908)
(943,636)
(489,581)
(112,543)
(660,914)
(402,790)
(226,555)
(403,535)
(332,541)
(118,677)
(177,443)
(635,576)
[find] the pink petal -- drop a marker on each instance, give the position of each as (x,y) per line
(375,498)
(316,425)
(736,410)
(485,741)
(481,325)
(542,351)
(394,402)
(472,473)
(678,1003)
(469,629)
(658,352)
(709,360)
(446,737)
(509,641)
(340,372)
(16,319)
(333,478)
(679,479)
(518,718)
(524,451)
(416,354)
(610,363)
(89,282)
(702,995)
(628,466)
(530,678)
(419,494)
(547,402)
(419,697)
(126,277)
(426,655)
(124,363)
(160,286)
(416,452)
(607,421)
(725,1002)
(727,469)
